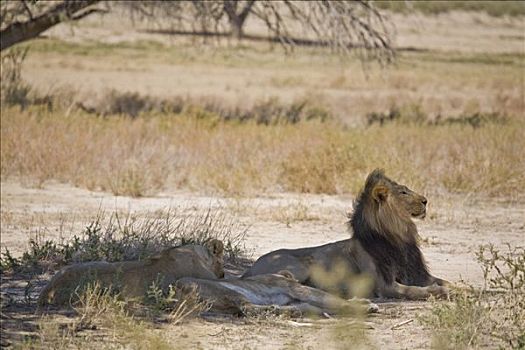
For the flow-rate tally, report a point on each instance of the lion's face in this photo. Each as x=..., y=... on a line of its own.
x=406, y=202
x=405, y=199
x=389, y=207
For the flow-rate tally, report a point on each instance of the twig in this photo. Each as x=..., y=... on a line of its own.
x=300, y=324
x=400, y=324
x=216, y=334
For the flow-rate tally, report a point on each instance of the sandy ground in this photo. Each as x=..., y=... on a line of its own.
x=455, y=227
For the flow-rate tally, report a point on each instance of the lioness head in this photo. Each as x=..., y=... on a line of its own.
x=388, y=207
x=216, y=249
x=200, y=258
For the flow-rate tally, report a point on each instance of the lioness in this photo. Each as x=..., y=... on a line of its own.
x=132, y=278
x=384, y=248
x=277, y=292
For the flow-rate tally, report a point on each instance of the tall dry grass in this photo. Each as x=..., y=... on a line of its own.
x=152, y=153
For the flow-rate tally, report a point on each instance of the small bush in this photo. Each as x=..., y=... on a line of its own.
x=40, y=253
x=491, y=316
x=475, y=120
x=266, y=111
x=13, y=89
x=410, y=113
x=129, y=237
x=413, y=114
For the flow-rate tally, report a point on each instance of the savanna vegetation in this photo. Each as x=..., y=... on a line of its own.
x=198, y=151
x=493, y=8
x=136, y=144
x=243, y=119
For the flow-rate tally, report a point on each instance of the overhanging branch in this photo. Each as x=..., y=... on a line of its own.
x=21, y=31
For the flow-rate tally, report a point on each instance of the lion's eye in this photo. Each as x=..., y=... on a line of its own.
x=404, y=192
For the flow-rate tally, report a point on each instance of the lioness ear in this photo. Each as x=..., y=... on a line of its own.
x=216, y=247
x=379, y=193
x=160, y=255
x=154, y=258
x=287, y=274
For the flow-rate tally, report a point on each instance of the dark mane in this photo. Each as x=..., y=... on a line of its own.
x=395, y=259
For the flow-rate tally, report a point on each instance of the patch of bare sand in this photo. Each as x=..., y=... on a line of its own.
x=460, y=31
x=451, y=235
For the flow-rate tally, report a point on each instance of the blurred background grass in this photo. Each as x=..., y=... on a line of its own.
x=118, y=108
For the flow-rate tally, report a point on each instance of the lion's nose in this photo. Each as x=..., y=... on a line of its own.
x=424, y=201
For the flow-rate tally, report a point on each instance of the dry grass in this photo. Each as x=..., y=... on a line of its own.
x=493, y=8
x=151, y=153
x=446, y=83
x=98, y=309
x=490, y=317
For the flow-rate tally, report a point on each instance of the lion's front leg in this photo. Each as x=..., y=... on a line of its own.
x=402, y=291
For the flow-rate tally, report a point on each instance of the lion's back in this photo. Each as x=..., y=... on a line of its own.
x=65, y=282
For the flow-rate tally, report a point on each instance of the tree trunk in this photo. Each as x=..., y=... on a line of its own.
x=237, y=19
x=236, y=27
x=21, y=31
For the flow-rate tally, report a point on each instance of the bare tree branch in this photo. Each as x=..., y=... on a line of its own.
x=15, y=31
x=342, y=26
x=88, y=12
x=28, y=10
x=237, y=19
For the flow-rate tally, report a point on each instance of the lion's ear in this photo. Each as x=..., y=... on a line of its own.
x=379, y=193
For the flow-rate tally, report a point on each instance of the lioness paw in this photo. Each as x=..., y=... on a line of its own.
x=438, y=291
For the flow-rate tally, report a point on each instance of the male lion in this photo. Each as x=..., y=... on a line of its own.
x=132, y=278
x=274, y=292
x=383, y=249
